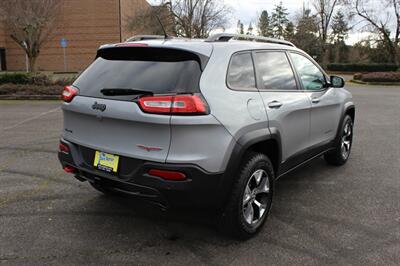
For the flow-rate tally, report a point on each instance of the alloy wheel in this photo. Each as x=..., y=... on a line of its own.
x=256, y=197
x=346, y=140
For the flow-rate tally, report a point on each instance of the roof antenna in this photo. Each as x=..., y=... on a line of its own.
x=162, y=27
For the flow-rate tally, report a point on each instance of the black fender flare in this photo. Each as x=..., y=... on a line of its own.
x=238, y=152
x=344, y=112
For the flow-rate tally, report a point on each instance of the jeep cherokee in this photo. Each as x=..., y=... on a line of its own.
x=209, y=123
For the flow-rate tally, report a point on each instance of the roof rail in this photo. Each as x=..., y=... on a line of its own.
x=145, y=37
x=225, y=37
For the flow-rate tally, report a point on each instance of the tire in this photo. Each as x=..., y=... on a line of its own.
x=342, y=149
x=251, y=197
x=104, y=190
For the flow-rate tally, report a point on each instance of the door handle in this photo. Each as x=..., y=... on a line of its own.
x=275, y=104
x=315, y=100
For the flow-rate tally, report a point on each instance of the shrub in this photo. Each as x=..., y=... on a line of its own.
x=28, y=89
x=64, y=81
x=362, y=67
x=41, y=80
x=357, y=76
x=381, y=77
x=15, y=78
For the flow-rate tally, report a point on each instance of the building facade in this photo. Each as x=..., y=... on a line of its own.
x=85, y=25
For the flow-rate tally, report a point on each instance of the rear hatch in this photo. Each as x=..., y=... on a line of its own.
x=105, y=114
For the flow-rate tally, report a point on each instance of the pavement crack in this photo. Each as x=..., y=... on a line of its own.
x=31, y=119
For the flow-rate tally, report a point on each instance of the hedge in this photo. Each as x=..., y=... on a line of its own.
x=362, y=67
x=32, y=79
x=15, y=78
x=28, y=89
x=380, y=77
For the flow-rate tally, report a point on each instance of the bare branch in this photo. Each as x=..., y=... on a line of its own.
x=382, y=26
x=197, y=18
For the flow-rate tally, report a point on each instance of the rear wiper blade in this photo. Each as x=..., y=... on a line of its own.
x=122, y=92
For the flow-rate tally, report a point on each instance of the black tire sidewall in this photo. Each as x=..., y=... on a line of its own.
x=253, y=162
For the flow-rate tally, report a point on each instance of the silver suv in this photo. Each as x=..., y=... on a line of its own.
x=210, y=123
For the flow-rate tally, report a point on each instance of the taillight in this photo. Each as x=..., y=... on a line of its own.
x=63, y=148
x=167, y=175
x=178, y=104
x=69, y=93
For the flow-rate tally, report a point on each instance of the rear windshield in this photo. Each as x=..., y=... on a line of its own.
x=156, y=70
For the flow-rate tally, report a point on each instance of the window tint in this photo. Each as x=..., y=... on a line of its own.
x=275, y=71
x=241, y=72
x=141, y=70
x=310, y=75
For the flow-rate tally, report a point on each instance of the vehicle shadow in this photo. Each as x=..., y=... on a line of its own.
x=188, y=224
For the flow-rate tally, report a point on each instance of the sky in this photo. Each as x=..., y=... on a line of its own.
x=248, y=11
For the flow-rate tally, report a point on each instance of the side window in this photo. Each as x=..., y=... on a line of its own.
x=241, y=72
x=311, y=77
x=275, y=71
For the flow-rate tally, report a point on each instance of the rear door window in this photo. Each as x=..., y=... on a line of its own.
x=155, y=70
x=275, y=71
x=241, y=72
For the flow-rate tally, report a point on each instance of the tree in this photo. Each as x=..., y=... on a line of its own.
x=340, y=28
x=306, y=33
x=381, y=24
x=339, y=50
x=289, y=31
x=240, y=27
x=197, y=18
x=325, y=10
x=250, y=29
x=279, y=21
x=264, y=25
x=145, y=21
x=373, y=51
x=30, y=23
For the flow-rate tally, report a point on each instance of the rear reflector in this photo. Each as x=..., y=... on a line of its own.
x=63, y=148
x=167, y=175
x=69, y=169
x=69, y=93
x=178, y=104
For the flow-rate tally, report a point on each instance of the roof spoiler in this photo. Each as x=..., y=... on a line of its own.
x=145, y=37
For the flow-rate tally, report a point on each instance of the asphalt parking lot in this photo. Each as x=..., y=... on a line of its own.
x=321, y=214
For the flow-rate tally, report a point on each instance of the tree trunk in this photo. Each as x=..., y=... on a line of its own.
x=32, y=63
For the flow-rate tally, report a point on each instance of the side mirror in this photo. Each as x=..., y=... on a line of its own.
x=337, y=82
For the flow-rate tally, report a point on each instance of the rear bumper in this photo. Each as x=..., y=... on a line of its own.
x=200, y=189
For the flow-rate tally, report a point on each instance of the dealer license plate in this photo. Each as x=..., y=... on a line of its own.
x=106, y=162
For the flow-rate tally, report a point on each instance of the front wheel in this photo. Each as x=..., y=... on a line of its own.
x=251, y=197
x=341, y=152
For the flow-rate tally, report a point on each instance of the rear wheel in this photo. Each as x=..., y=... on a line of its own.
x=341, y=152
x=251, y=197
